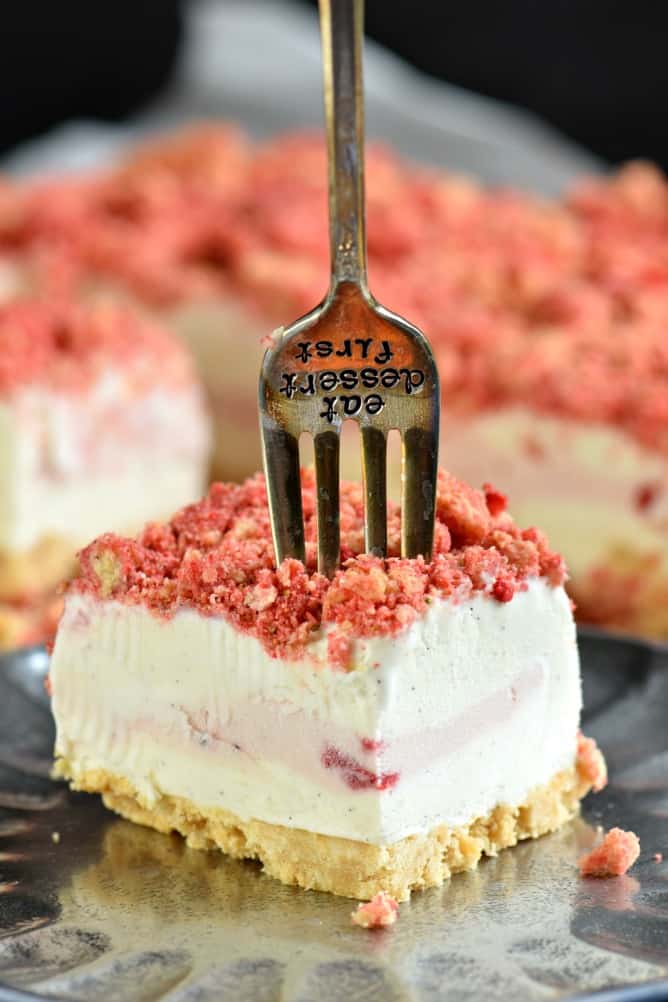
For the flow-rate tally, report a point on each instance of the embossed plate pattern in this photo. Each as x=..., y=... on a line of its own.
x=108, y=911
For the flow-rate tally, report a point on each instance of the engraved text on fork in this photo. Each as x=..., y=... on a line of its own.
x=375, y=374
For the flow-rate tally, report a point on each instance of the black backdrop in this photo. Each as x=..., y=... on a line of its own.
x=61, y=59
x=598, y=69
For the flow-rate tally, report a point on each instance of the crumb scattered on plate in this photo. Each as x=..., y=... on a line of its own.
x=591, y=764
x=614, y=856
x=382, y=910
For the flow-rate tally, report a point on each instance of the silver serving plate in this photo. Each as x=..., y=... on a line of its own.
x=104, y=910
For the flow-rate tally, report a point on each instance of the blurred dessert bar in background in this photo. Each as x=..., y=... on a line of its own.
x=548, y=320
x=102, y=423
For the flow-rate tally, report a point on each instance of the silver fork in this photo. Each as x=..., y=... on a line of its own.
x=350, y=358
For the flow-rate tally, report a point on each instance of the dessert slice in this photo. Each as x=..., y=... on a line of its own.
x=91, y=403
x=378, y=731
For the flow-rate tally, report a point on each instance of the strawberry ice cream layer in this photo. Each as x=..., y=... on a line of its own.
x=474, y=705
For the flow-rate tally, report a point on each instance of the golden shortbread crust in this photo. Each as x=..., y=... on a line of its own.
x=627, y=591
x=29, y=579
x=343, y=866
x=33, y=623
x=33, y=572
x=15, y=624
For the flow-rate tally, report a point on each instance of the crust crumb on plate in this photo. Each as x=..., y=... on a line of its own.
x=591, y=764
x=381, y=911
x=613, y=857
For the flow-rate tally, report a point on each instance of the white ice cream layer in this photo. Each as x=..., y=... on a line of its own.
x=474, y=705
x=579, y=481
x=75, y=465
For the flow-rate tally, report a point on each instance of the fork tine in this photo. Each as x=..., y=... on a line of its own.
x=419, y=475
x=374, y=463
x=281, y=464
x=326, y=446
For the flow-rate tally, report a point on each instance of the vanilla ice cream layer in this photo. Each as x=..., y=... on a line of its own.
x=582, y=483
x=76, y=465
x=225, y=340
x=474, y=705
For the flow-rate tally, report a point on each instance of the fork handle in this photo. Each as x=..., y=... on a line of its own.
x=342, y=30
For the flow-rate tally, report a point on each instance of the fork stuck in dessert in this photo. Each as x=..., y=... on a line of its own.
x=349, y=358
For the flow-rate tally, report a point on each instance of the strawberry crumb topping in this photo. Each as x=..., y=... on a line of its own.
x=205, y=156
x=64, y=346
x=613, y=857
x=495, y=500
x=590, y=764
x=381, y=911
x=559, y=307
x=217, y=556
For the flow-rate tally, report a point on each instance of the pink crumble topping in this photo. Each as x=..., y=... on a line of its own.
x=560, y=307
x=217, y=556
x=66, y=346
x=496, y=501
x=590, y=763
x=613, y=857
x=206, y=155
x=381, y=911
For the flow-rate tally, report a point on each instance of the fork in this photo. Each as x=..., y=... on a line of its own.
x=349, y=358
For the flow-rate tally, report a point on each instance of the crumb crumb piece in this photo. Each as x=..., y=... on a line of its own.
x=496, y=501
x=55, y=837
x=108, y=570
x=590, y=763
x=658, y=857
x=269, y=340
x=382, y=910
x=613, y=857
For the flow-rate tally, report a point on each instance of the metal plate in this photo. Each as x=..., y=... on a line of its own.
x=116, y=912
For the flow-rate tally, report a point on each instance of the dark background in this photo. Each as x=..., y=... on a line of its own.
x=63, y=59
x=597, y=69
